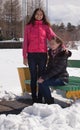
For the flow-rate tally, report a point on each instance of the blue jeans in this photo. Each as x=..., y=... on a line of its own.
x=44, y=88
x=37, y=65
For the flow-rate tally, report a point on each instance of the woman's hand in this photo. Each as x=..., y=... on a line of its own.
x=25, y=61
x=40, y=80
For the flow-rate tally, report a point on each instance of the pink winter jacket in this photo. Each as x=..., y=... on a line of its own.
x=35, y=38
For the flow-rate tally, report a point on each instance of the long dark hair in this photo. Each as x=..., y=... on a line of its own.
x=32, y=20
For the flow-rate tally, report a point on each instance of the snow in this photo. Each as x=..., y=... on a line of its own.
x=37, y=116
x=12, y=40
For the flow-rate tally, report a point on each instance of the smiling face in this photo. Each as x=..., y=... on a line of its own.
x=54, y=45
x=39, y=15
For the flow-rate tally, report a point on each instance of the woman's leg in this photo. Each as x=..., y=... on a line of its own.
x=33, y=72
x=42, y=60
x=45, y=90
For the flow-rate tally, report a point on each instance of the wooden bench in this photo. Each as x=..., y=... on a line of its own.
x=72, y=88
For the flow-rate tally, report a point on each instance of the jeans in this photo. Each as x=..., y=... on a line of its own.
x=44, y=87
x=37, y=65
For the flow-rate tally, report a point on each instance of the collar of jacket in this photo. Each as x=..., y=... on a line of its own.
x=38, y=22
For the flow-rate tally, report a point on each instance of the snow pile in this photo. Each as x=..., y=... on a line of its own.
x=43, y=117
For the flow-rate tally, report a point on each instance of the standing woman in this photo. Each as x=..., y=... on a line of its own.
x=36, y=33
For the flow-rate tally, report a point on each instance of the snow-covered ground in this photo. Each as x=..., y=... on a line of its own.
x=37, y=116
x=12, y=40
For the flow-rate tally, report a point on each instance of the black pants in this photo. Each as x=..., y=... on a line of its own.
x=37, y=64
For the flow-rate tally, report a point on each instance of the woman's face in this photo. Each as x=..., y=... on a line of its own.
x=39, y=15
x=54, y=45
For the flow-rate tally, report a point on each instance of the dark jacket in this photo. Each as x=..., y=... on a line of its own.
x=57, y=65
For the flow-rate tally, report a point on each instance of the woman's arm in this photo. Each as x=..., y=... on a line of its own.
x=50, y=33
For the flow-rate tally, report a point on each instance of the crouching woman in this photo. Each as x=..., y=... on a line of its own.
x=56, y=73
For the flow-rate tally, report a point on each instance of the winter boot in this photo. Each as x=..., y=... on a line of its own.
x=49, y=100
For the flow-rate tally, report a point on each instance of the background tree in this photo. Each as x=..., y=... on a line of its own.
x=12, y=15
x=1, y=20
x=78, y=33
x=1, y=13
